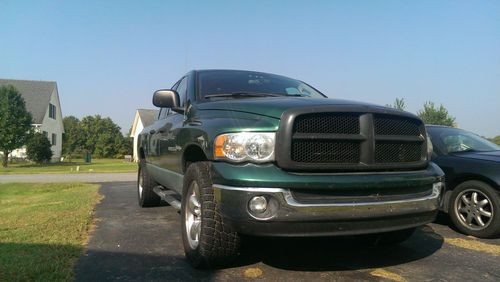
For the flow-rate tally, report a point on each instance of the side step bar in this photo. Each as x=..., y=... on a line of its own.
x=168, y=196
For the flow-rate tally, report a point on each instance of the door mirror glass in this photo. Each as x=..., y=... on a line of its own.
x=166, y=98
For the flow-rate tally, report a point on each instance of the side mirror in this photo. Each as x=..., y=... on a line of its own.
x=166, y=98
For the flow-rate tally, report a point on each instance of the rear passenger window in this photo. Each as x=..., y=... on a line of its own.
x=182, y=90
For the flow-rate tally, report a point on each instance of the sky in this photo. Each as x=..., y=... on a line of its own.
x=108, y=57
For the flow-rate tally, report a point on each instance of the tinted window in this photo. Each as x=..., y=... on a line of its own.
x=453, y=140
x=226, y=82
x=182, y=90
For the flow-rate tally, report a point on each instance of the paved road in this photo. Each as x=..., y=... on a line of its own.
x=61, y=177
x=135, y=244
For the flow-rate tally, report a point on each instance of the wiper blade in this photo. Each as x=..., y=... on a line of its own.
x=243, y=94
x=297, y=95
x=464, y=151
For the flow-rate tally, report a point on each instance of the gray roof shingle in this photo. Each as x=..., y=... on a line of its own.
x=36, y=95
x=147, y=116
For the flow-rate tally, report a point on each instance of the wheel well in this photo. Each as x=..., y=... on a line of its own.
x=460, y=179
x=192, y=154
x=467, y=177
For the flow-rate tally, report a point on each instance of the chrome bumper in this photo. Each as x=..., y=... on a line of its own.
x=362, y=217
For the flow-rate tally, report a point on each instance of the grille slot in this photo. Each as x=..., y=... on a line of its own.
x=353, y=195
x=327, y=123
x=397, y=152
x=388, y=125
x=325, y=151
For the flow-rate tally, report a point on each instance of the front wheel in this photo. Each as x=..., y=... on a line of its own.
x=475, y=209
x=145, y=184
x=208, y=241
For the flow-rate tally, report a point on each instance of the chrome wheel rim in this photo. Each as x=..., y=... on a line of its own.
x=192, y=215
x=139, y=186
x=474, y=209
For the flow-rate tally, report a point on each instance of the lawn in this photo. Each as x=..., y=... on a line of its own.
x=43, y=229
x=75, y=166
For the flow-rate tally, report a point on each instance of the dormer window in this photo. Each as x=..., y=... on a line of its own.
x=52, y=111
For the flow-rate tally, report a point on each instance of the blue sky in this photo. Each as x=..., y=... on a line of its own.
x=109, y=56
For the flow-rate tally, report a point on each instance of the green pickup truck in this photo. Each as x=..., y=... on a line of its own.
x=244, y=152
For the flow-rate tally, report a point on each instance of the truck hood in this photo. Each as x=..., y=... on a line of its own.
x=493, y=156
x=275, y=106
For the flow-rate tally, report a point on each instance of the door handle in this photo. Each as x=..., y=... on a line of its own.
x=152, y=131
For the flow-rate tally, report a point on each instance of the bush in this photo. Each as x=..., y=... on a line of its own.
x=38, y=148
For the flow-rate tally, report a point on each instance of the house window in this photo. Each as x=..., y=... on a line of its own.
x=52, y=111
x=46, y=134
x=54, y=138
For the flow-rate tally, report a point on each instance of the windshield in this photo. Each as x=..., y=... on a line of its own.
x=241, y=82
x=454, y=140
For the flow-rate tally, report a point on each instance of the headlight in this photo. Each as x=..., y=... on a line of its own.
x=429, y=148
x=245, y=146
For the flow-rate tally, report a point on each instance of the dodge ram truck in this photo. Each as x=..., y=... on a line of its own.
x=252, y=153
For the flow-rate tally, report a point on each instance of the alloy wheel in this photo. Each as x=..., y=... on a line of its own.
x=140, y=185
x=192, y=215
x=474, y=209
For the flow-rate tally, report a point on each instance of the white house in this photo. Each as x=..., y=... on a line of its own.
x=142, y=118
x=42, y=101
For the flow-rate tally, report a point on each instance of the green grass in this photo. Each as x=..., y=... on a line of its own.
x=97, y=165
x=43, y=229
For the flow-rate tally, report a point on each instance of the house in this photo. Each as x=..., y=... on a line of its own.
x=142, y=119
x=42, y=101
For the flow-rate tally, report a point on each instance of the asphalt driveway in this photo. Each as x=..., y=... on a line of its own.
x=134, y=244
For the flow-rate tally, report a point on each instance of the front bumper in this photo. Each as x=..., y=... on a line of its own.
x=286, y=216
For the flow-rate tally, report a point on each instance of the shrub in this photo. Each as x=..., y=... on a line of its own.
x=38, y=148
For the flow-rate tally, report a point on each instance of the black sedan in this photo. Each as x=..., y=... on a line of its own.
x=472, y=167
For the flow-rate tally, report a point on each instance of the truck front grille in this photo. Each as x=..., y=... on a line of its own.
x=390, y=125
x=317, y=151
x=327, y=123
x=397, y=152
x=350, y=140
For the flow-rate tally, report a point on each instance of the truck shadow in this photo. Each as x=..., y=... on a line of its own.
x=338, y=253
x=54, y=262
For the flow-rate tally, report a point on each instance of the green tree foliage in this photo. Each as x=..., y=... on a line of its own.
x=99, y=136
x=72, y=137
x=399, y=104
x=38, y=148
x=430, y=114
x=496, y=140
x=15, y=121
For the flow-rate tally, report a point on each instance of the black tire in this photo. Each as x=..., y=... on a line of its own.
x=217, y=245
x=459, y=210
x=146, y=196
x=393, y=237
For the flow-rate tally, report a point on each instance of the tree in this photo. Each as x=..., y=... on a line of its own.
x=15, y=121
x=101, y=136
x=72, y=137
x=38, y=148
x=496, y=140
x=399, y=104
x=430, y=114
x=96, y=135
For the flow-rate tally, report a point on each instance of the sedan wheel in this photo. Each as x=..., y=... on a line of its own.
x=474, y=209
